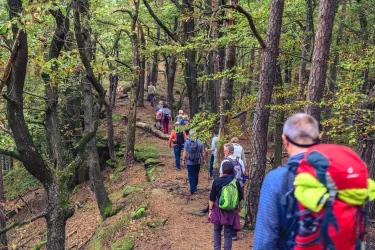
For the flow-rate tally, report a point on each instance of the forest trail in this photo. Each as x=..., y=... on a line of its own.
x=166, y=197
x=169, y=196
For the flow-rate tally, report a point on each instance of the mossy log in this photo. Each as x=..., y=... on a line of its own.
x=150, y=129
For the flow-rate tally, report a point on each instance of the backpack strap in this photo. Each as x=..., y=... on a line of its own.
x=288, y=205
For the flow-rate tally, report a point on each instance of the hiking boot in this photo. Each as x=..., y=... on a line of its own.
x=205, y=210
x=235, y=238
x=178, y=169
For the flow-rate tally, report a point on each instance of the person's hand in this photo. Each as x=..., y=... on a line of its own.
x=204, y=161
x=209, y=213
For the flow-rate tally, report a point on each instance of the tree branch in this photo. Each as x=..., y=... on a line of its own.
x=249, y=19
x=19, y=224
x=159, y=22
x=12, y=154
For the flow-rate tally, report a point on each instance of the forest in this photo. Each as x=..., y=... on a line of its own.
x=83, y=163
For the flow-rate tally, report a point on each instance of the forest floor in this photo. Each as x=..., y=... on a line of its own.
x=166, y=224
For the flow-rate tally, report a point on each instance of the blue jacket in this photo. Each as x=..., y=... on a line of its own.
x=270, y=221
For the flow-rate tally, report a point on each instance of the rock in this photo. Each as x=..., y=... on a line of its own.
x=127, y=190
x=122, y=245
x=153, y=162
x=156, y=223
x=159, y=192
x=139, y=213
x=195, y=210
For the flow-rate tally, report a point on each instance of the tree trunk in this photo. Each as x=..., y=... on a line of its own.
x=171, y=67
x=332, y=85
x=327, y=11
x=190, y=72
x=302, y=74
x=262, y=113
x=3, y=236
x=226, y=96
x=91, y=152
x=155, y=64
x=58, y=213
x=110, y=131
x=130, y=142
x=279, y=117
x=141, y=95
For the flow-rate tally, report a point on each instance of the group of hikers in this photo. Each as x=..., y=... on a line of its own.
x=315, y=201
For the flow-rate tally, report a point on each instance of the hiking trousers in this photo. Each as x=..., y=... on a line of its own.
x=193, y=174
x=227, y=237
x=165, y=126
x=212, y=164
x=177, y=155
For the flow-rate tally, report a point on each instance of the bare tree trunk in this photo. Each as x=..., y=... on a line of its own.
x=141, y=95
x=327, y=11
x=3, y=236
x=302, y=74
x=130, y=142
x=332, y=85
x=170, y=67
x=155, y=66
x=279, y=117
x=226, y=95
x=262, y=112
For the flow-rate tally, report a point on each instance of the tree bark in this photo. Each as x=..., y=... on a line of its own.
x=130, y=142
x=327, y=11
x=3, y=236
x=332, y=85
x=171, y=66
x=190, y=72
x=226, y=96
x=262, y=112
x=141, y=95
x=149, y=128
x=302, y=74
x=279, y=116
x=155, y=64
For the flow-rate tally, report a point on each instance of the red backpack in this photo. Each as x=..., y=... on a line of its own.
x=331, y=187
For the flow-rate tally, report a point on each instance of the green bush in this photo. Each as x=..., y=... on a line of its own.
x=18, y=182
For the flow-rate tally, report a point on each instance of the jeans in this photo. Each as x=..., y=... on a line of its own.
x=193, y=174
x=152, y=98
x=159, y=124
x=177, y=155
x=212, y=164
x=227, y=237
x=165, y=126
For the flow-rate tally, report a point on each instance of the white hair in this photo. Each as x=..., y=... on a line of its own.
x=301, y=126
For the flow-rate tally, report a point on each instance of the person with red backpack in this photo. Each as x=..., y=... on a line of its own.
x=276, y=224
x=177, y=139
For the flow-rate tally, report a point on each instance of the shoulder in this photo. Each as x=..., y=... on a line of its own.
x=275, y=178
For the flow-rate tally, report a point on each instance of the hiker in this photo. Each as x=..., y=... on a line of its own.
x=193, y=156
x=159, y=115
x=166, y=117
x=179, y=117
x=300, y=132
x=238, y=150
x=151, y=94
x=224, y=205
x=185, y=121
x=239, y=167
x=177, y=140
x=215, y=139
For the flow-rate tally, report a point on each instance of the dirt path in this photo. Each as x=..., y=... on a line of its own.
x=169, y=195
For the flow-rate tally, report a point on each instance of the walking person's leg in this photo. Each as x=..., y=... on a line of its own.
x=191, y=177
x=228, y=231
x=196, y=175
x=152, y=97
x=217, y=236
x=177, y=155
x=212, y=164
x=165, y=126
